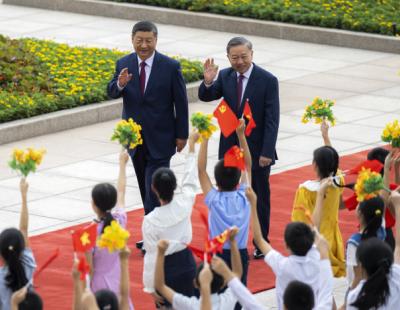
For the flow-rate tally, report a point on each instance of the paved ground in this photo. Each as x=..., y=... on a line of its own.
x=365, y=85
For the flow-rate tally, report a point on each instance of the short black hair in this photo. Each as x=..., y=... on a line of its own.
x=326, y=158
x=227, y=178
x=145, y=26
x=236, y=41
x=298, y=296
x=106, y=300
x=299, y=238
x=164, y=182
x=32, y=301
x=379, y=154
x=217, y=282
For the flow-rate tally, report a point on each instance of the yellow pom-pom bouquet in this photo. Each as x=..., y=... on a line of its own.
x=368, y=184
x=319, y=110
x=202, y=122
x=26, y=161
x=114, y=237
x=391, y=133
x=128, y=133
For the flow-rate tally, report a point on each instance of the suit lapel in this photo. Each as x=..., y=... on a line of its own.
x=155, y=71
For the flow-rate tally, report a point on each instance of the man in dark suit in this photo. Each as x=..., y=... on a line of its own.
x=154, y=96
x=246, y=81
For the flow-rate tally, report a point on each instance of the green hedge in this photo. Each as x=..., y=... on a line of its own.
x=375, y=16
x=39, y=76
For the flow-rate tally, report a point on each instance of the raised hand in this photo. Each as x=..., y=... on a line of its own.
x=163, y=246
x=240, y=128
x=124, y=77
x=123, y=157
x=210, y=70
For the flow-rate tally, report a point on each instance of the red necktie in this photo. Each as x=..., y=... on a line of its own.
x=142, y=77
x=239, y=91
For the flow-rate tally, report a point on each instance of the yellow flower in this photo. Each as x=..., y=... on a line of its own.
x=17, y=154
x=113, y=238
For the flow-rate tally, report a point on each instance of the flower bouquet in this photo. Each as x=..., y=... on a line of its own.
x=113, y=238
x=128, y=133
x=202, y=122
x=368, y=184
x=26, y=161
x=319, y=110
x=391, y=133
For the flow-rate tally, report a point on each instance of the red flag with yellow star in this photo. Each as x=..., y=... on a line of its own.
x=234, y=157
x=84, y=239
x=227, y=119
x=247, y=114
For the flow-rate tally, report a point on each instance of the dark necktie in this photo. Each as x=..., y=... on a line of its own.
x=142, y=77
x=239, y=91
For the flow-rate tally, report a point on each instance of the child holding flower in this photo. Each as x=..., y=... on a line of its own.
x=325, y=164
x=105, y=266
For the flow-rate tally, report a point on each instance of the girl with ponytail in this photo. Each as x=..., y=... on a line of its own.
x=380, y=287
x=105, y=266
x=325, y=164
x=370, y=218
x=18, y=260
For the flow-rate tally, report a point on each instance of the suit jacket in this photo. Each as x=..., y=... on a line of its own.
x=163, y=109
x=263, y=94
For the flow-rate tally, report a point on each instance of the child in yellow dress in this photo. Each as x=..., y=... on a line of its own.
x=325, y=163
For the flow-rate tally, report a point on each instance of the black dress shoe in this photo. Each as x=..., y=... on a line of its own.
x=258, y=254
x=139, y=244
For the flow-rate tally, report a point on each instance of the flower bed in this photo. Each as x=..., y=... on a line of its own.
x=38, y=77
x=374, y=16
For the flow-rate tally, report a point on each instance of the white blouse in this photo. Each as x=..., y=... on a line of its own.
x=170, y=222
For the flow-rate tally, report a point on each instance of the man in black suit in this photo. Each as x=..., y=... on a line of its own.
x=154, y=95
x=243, y=81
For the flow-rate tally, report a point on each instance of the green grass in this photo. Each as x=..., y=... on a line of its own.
x=38, y=76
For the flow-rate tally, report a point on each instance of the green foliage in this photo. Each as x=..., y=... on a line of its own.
x=375, y=16
x=38, y=76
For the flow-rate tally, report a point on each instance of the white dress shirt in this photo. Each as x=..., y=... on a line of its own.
x=245, y=79
x=147, y=69
x=171, y=222
x=243, y=295
x=309, y=269
x=223, y=301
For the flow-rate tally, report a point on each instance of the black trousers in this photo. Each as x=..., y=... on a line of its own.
x=145, y=166
x=260, y=185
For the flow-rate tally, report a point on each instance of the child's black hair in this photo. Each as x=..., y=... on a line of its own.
x=327, y=160
x=298, y=296
x=379, y=154
x=106, y=300
x=216, y=283
x=104, y=196
x=376, y=258
x=299, y=238
x=164, y=182
x=227, y=178
x=12, y=244
x=32, y=301
x=372, y=212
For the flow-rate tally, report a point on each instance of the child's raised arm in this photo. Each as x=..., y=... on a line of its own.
x=204, y=179
x=325, y=133
x=260, y=242
x=78, y=287
x=24, y=217
x=397, y=169
x=205, y=278
x=159, y=277
x=237, y=267
x=121, y=186
x=247, y=156
x=124, y=283
x=395, y=200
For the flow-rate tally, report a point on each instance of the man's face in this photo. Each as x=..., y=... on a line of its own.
x=144, y=43
x=240, y=58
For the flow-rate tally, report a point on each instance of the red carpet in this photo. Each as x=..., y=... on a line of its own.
x=55, y=284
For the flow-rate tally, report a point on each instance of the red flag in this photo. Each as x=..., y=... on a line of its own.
x=47, y=263
x=247, y=114
x=212, y=246
x=227, y=119
x=374, y=165
x=234, y=157
x=84, y=239
x=83, y=267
